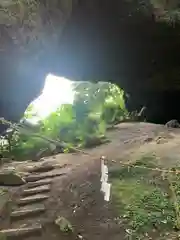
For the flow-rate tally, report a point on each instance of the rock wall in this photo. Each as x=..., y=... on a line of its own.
x=27, y=29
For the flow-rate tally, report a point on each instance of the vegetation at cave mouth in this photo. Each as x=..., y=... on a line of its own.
x=81, y=124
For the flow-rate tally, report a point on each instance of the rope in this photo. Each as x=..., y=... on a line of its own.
x=22, y=129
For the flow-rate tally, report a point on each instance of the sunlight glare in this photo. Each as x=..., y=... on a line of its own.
x=57, y=91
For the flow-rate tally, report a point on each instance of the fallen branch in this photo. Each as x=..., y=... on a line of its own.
x=23, y=130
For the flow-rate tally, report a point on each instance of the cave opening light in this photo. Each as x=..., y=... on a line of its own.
x=57, y=91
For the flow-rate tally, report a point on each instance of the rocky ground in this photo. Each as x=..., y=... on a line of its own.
x=59, y=197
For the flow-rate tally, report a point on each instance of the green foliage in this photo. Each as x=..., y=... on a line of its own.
x=79, y=124
x=144, y=200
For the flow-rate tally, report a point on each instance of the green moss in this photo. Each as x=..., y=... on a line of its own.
x=2, y=236
x=142, y=200
x=144, y=207
x=64, y=225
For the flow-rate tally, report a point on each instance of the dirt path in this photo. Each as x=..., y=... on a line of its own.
x=72, y=189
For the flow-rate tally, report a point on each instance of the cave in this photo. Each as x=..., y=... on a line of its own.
x=113, y=41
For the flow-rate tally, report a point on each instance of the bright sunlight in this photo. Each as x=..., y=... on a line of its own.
x=57, y=91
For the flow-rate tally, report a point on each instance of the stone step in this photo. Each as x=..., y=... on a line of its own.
x=36, y=190
x=33, y=178
x=40, y=169
x=27, y=212
x=32, y=199
x=4, y=198
x=20, y=232
x=39, y=183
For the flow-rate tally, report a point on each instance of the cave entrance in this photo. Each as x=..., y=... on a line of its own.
x=57, y=91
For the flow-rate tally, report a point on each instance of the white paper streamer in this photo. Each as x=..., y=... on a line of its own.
x=105, y=186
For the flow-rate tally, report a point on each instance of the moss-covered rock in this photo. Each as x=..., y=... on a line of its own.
x=11, y=179
x=64, y=225
x=32, y=21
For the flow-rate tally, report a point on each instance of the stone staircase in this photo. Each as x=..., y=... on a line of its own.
x=27, y=210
